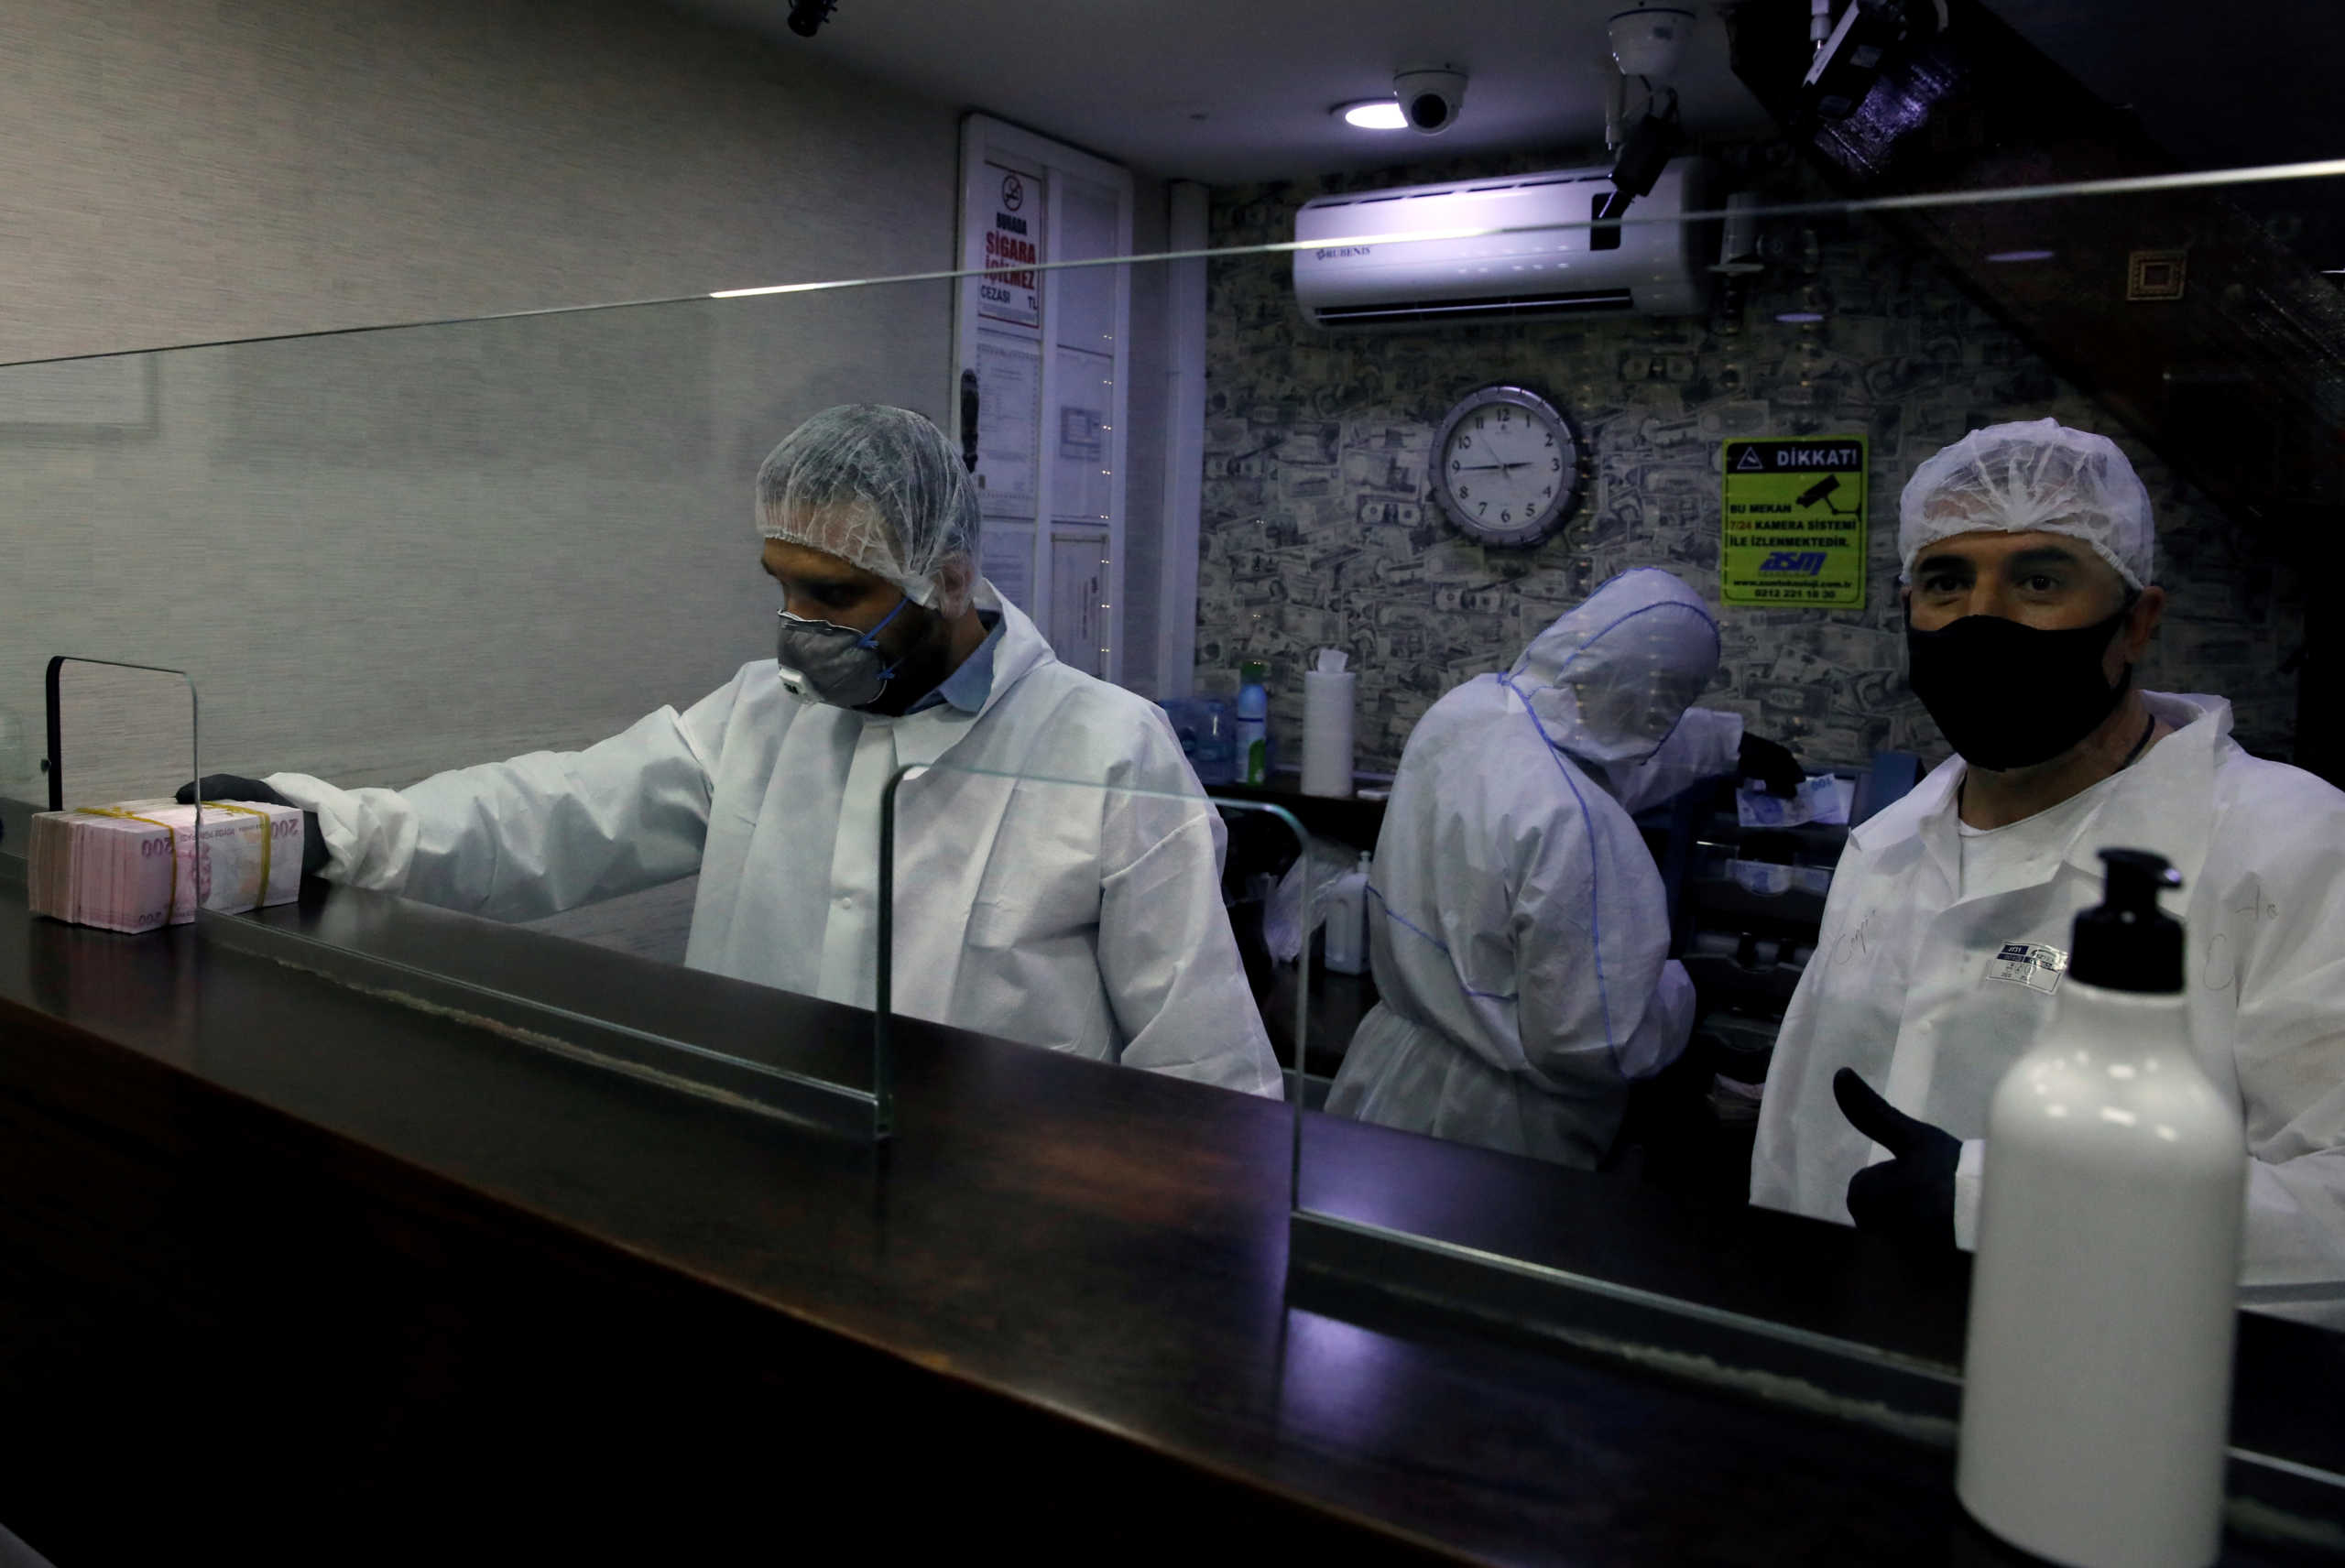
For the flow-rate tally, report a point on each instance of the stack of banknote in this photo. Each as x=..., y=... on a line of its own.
x=1823, y=798
x=145, y=864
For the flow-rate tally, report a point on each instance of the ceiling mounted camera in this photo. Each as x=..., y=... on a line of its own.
x=1431, y=99
x=1650, y=42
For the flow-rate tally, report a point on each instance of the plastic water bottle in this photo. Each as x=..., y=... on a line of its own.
x=1253, y=724
x=2096, y=1402
x=1346, y=947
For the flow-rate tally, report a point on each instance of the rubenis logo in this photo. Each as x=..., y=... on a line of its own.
x=1796, y=563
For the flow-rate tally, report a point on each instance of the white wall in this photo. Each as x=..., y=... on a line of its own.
x=386, y=554
x=174, y=171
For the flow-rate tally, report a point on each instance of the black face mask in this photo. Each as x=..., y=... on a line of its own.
x=2009, y=695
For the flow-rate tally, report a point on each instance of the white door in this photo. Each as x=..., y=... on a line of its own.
x=1046, y=354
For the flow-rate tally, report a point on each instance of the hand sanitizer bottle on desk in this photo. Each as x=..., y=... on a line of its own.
x=1253, y=724
x=2096, y=1400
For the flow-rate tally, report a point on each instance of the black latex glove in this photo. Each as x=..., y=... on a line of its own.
x=230, y=787
x=1909, y=1197
x=1772, y=764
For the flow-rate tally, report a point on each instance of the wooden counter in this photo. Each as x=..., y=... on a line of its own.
x=290, y=1272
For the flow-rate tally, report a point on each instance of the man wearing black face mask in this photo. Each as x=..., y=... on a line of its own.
x=2029, y=603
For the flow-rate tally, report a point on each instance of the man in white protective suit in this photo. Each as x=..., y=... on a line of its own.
x=2030, y=598
x=1082, y=920
x=1517, y=926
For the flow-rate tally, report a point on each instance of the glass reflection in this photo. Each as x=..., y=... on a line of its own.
x=1091, y=919
x=1634, y=747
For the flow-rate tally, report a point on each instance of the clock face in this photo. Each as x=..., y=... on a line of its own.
x=1507, y=466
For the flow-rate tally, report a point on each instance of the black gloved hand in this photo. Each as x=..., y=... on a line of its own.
x=1772, y=764
x=230, y=787
x=1909, y=1197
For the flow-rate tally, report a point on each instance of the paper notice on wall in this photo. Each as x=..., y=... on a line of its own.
x=1005, y=556
x=1079, y=622
x=1083, y=450
x=1013, y=240
x=1009, y=419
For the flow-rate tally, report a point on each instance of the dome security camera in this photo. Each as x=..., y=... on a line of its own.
x=1649, y=41
x=1430, y=99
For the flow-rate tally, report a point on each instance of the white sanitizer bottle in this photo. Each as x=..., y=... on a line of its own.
x=2095, y=1401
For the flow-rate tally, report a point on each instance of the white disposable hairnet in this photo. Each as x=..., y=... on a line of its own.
x=882, y=489
x=2037, y=475
x=1611, y=678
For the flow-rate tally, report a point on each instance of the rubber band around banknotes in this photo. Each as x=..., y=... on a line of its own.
x=267, y=832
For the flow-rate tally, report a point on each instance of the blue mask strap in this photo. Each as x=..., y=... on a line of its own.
x=870, y=638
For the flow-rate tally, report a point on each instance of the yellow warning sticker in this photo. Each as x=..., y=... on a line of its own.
x=1794, y=524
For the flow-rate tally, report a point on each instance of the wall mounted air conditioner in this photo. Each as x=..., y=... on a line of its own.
x=1358, y=277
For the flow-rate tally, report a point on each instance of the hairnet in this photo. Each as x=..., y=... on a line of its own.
x=1611, y=678
x=2037, y=475
x=882, y=489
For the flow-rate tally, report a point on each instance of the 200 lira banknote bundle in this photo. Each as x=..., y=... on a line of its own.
x=143, y=864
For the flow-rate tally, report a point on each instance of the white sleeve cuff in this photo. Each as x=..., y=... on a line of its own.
x=1969, y=1173
x=370, y=833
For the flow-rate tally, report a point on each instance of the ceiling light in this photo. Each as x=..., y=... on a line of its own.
x=2020, y=255
x=1800, y=318
x=1374, y=115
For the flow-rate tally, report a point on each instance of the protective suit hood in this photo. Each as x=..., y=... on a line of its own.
x=1613, y=676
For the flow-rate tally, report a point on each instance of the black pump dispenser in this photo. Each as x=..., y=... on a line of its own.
x=2126, y=943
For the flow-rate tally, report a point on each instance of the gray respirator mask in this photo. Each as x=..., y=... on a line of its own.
x=824, y=663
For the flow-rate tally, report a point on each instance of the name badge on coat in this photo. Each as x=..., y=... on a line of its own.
x=2030, y=963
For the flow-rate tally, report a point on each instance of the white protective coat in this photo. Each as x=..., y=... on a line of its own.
x=1899, y=989
x=1077, y=918
x=1517, y=923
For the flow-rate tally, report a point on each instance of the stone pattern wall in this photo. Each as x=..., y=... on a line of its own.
x=1318, y=527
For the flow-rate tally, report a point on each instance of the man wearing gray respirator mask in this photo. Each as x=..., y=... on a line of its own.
x=1082, y=917
x=2029, y=600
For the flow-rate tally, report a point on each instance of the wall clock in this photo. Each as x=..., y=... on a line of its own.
x=1508, y=466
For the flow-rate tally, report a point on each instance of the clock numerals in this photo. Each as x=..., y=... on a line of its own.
x=1464, y=491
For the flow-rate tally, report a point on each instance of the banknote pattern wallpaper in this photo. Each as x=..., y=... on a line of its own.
x=1318, y=529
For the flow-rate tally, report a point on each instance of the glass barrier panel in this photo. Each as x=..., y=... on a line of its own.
x=482, y=596
x=1119, y=924
x=1577, y=1076
x=450, y=545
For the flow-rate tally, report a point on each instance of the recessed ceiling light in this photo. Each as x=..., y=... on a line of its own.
x=2020, y=255
x=1374, y=115
x=1800, y=318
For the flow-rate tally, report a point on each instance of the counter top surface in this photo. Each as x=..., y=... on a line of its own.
x=1107, y=1247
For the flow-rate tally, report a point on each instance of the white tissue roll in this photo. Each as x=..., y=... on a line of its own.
x=1328, y=731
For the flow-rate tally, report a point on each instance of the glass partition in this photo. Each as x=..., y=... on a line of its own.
x=1574, y=1072
x=524, y=547
x=1104, y=920
x=388, y=555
